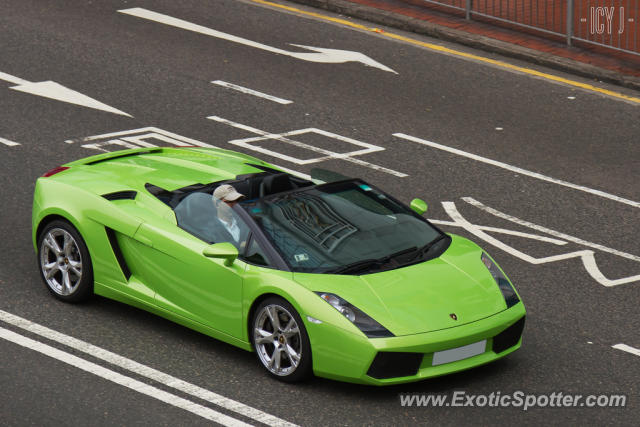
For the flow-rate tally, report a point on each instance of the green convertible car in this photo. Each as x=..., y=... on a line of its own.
x=335, y=278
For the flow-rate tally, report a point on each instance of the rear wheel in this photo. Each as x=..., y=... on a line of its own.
x=281, y=341
x=65, y=264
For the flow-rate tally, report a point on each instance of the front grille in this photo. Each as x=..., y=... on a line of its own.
x=509, y=337
x=388, y=364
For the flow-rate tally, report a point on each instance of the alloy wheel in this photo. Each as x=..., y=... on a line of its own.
x=277, y=339
x=61, y=261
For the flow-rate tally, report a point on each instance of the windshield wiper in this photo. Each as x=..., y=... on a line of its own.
x=371, y=262
x=426, y=248
x=356, y=266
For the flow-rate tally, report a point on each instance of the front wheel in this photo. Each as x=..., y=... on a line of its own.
x=64, y=261
x=281, y=341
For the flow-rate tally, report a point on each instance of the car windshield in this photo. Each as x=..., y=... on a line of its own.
x=346, y=227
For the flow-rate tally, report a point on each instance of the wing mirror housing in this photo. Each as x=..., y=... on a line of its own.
x=419, y=206
x=225, y=251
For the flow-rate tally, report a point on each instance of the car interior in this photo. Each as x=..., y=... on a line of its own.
x=195, y=211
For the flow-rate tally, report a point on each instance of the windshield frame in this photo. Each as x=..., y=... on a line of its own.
x=273, y=253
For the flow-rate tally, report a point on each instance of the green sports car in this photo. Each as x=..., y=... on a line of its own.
x=335, y=278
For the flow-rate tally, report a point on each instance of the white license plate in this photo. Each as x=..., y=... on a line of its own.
x=459, y=353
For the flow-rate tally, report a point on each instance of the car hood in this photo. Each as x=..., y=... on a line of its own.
x=451, y=290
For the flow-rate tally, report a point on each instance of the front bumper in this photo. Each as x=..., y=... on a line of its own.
x=342, y=355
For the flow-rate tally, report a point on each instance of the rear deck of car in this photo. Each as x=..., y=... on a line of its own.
x=167, y=168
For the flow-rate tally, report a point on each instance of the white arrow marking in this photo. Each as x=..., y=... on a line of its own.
x=332, y=56
x=53, y=90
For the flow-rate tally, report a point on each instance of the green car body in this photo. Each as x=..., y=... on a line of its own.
x=141, y=257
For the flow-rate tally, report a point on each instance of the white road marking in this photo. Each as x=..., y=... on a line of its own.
x=251, y=92
x=138, y=141
x=327, y=154
x=143, y=370
x=505, y=231
x=100, y=145
x=333, y=56
x=9, y=143
x=53, y=90
x=627, y=348
x=13, y=79
x=587, y=256
x=518, y=170
x=293, y=172
x=495, y=212
x=136, y=131
x=136, y=138
x=123, y=380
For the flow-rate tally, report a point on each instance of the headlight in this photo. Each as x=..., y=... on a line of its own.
x=509, y=294
x=366, y=324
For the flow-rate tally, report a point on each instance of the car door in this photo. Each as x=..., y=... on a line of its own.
x=188, y=283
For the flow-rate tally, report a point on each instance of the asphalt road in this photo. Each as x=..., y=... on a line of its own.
x=583, y=145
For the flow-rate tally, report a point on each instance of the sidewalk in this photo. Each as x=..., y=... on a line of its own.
x=413, y=15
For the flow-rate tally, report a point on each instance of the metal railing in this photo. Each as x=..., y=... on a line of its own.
x=613, y=24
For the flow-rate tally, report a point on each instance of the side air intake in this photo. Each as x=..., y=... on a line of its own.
x=111, y=234
x=121, y=195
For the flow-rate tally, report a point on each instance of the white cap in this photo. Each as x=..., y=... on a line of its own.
x=226, y=193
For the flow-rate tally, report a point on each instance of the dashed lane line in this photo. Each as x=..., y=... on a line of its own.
x=248, y=91
x=518, y=169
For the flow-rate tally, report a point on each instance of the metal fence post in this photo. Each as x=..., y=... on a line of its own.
x=569, y=21
x=467, y=9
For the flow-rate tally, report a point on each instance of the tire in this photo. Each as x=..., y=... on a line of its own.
x=64, y=262
x=283, y=349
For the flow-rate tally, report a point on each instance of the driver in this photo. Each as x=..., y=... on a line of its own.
x=224, y=198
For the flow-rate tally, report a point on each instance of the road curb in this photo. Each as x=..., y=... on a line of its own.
x=419, y=26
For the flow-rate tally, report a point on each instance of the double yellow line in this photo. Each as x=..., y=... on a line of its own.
x=457, y=53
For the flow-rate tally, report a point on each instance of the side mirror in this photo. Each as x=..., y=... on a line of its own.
x=419, y=206
x=225, y=251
